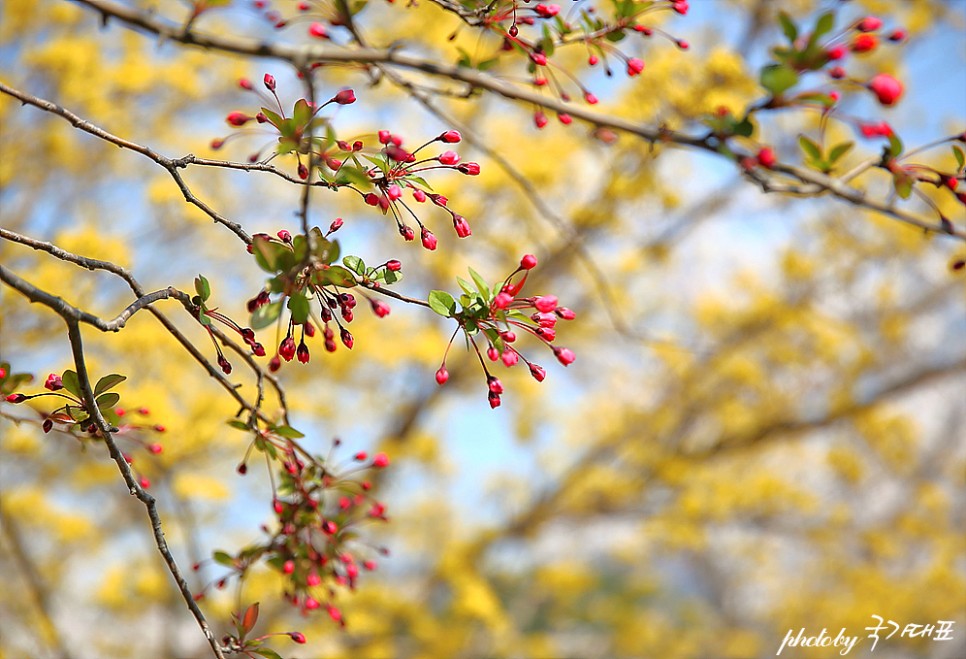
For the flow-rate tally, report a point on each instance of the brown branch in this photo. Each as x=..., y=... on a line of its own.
x=170, y=165
x=150, y=505
x=35, y=584
x=95, y=264
x=300, y=56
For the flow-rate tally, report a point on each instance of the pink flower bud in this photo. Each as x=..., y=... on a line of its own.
x=428, y=239
x=462, y=226
x=528, y=262
x=318, y=30
x=393, y=265
x=269, y=81
x=442, y=375
x=380, y=461
x=449, y=158
x=564, y=355
x=634, y=66
x=869, y=24
x=450, y=137
x=546, y=303
x=237, y=118
x=886, y=88
x=766, y=157
x=345, y=97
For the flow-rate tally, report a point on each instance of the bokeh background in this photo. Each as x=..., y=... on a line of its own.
x=763, y=430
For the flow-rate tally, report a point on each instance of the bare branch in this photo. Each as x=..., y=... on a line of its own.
x=299, y=56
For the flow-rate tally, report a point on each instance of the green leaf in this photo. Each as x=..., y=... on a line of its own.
x=420, y=181
x=301, y=113
x=380, y=163
x=480, y=283
x=838, y=151
x=107, y=400
x=744, y=128
x=238, y=425
x=390, y=277
x=268, y=653
x=903, y=184
x=107, y=383
x=442, y=303
x=349, y=175
x=222, y=558
x=266, y=253
x=777, y=78
x=266, y=315
x=334, y=275
x=788, y=26
x=614, y=37
x=300, y=248
x=960, y=159
x=288, y=432
x=465, y=285
x=326, y=251
x=823, y=26
x=895, y=145
x=810, y=148
x=272, y=117
x=203, y=288
x=299, y=306
x=71, y=383
x=355, y=264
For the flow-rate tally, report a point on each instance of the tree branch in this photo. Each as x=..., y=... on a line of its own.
x=300, y=56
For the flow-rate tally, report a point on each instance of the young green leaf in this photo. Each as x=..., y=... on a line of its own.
x=299, y=306
x=480, y=283
x=71, y=383
x=812, y=150
x=838, y=151
x=778, y=78
x=202, y=287
x=442, y=303
x=108, y=382
x=265, y=315
x=108, y=400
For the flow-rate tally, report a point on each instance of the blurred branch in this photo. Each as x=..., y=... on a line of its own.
x=35, y=584
x=543, y=507
x=807, y=182
x=73, y=317
x=170, y=165
x=96, y=264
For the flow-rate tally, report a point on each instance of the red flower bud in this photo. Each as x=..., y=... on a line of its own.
x=469, y=168
x=287, y=348
x=393, y=265
x=868, y=24
x=462, y=226
x=450, y=137
x=528, y=262
x=54, y=383
x=345, y=97
x=886, y=88
x=318, y=30
x=298, y=637
x=237, y=118
x=269, y=81
x=564, y=355
x=766, y=157
x=303, y=353
x=442, y=375
x=494, y=400
x=864, y=43
x=449, y=158
x=428, y=239
x=634, y=66
x=381, y=460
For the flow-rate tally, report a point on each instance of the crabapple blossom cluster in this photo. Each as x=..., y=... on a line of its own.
x=303, y=271
x=319, y=509
x=379, y=174
x=497, y=314
x=73, y=417
x=826, y=50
